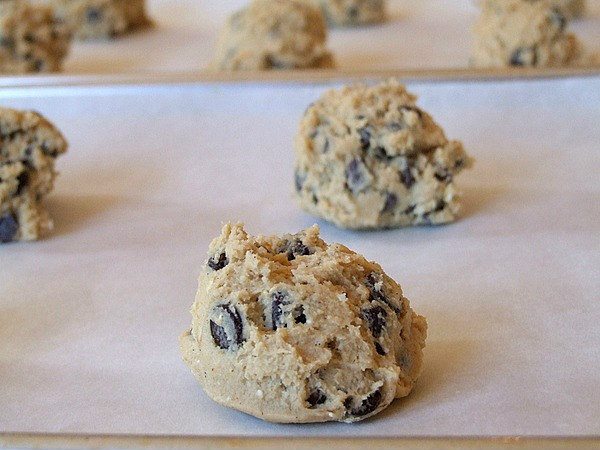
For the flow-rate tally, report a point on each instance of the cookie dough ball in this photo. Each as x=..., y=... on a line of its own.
x=291, y=329
x=523, y=33
x=367, y=157
x=31, y=40
x=274, y=34
x=353, y=12
x=570, y=8
x=101, y=19
x=29, y=145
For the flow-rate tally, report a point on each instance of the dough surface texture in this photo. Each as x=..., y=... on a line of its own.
x=274, y=34
x=291, y=329
x=523, y=34
x=368, y=157
x=29, y=145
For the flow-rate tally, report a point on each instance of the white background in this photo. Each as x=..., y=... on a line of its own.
x=421, y=34
x=89, y=318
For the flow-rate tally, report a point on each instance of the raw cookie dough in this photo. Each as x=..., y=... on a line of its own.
x=523, y=33
x=570, y=8
x=274, y=34
x=31, y=40
x=290, y=329
x=102, y=19
x=29, y=144
x=353, y=12
x=367, y=157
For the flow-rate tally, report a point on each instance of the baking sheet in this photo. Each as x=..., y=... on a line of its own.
x=420, y=35
x=89, y=318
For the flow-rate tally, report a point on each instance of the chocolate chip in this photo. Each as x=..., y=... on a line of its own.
x=23, y=182
x=357, y=176
x=278, y=300
x=367, y=406
x=230, y=333
x=406, y=177
x=410, y=209
x=375, y=318
x=271, y=62
x=295, y=249
x=316, y=397
x=218, y=264
x=219, y=335
x=298, y=314
x=444, y=176
x=395, y=126
x=380, y=349
x=380, y=154
x=378, y=296
x=28, y=37
x=558, y=18
x=48, y=150
x=365, y=138
x=93, y=15
x=7, y=42
x=326, y=146
x=441, y=204
x=38, y=65
x=391, y=200
x=352, y=12
x=524, y=56
x=299, y=180
x=8, y=227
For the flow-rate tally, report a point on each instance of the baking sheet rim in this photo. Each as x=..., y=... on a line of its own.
x=44, y=440
x=308, y=76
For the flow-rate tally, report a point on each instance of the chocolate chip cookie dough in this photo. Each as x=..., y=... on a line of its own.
x=102, y=19
x=291, y=329
x=368, y=157
x=353, y=12
x=570, y=8
x=523, y=33
x=274, y=34
x=29, y=144
x=31, y=40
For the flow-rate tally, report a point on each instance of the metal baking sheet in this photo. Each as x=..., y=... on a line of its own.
x=89, y=318
x=422, y=39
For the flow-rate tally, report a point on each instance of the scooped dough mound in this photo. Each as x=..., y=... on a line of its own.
x=291, y=329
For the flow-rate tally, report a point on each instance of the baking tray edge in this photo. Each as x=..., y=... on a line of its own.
x=304, y=77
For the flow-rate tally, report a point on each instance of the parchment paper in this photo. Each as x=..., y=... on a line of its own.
x=89, y=318
x=421, y=34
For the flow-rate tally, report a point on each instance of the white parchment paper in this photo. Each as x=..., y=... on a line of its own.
x=89, y=318
x=421, y=34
